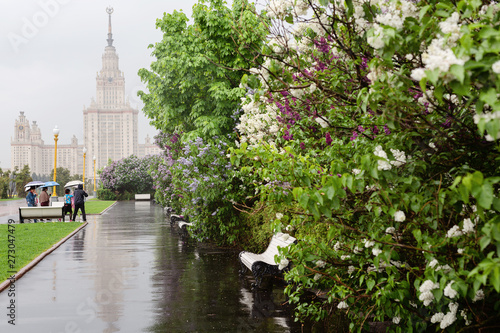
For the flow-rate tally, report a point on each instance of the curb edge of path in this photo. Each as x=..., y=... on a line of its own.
x=35, y=261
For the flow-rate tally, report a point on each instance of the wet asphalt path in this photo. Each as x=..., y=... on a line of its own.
x=129, y=271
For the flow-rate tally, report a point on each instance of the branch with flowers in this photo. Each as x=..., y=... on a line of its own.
x=382, y=119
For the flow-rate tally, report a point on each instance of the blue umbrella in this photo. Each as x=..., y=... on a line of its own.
x=50, y=184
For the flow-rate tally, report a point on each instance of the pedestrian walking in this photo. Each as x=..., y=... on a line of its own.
x=67, y=204
x=80, y=195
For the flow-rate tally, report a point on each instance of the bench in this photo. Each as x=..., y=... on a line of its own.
x=176, y=218
x=57, y=204
x=46, y=212
x=143, y=196
x=263, y=264
x=183, y=227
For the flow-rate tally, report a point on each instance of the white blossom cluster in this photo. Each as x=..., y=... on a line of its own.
x=478, y=296
x=435, y=265
x=427, y=98
x=368, y=243
x=258, y=123
x=392, y=14
x=283, y=264
x=487, y=117
x=449, y=291
x=468, y=227
x=439, y=54
x=384, y=264
x=320, y=263
x=494, y=7
x=451, y=27
x=426, y=294
x=399, y=216
x=400, y=158
x=280, y=8
x=446, y=320
x=342, y=305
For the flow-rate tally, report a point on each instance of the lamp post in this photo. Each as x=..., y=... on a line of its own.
x=56, y=134
x=94, y=173
x=84, y=155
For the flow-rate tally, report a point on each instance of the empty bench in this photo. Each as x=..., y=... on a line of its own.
x=143, y=196
x=183, y=227
x=47, y=212
x=263, y=264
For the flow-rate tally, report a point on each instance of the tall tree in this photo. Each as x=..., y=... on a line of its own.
x=21, y=178
x=194, y=83
x=4, y=183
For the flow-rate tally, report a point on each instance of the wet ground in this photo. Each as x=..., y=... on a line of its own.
x=10, y=210
x=129, y=271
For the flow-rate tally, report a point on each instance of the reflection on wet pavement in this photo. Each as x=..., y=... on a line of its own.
x=128, y=271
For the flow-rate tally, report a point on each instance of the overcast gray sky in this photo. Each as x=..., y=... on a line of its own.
x=50, y=51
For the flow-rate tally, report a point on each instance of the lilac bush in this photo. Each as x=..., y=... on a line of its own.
x=196, y=179
x=130, y=174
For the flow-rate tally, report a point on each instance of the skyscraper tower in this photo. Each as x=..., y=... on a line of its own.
x=110, y=123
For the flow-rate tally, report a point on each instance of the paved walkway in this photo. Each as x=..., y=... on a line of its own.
x=10, y=210
x=128, y=271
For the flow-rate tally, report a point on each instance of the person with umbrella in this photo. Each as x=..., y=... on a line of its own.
x=44, y=197
x=80, y=195
x=67, y=204
x=31, y=198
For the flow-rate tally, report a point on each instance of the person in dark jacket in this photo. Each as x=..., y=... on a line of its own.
x=79, y=196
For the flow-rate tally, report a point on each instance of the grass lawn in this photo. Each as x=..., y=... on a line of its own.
x=28, y=241
x=10, y=199
x=95, y=206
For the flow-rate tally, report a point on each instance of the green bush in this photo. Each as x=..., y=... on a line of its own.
x=106, y=194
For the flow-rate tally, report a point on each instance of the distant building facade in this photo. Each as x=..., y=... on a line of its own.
x=109, y=126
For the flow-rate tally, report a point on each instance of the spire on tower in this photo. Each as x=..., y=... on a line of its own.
x=109, y=10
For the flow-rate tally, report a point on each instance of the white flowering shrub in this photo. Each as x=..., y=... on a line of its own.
x=382, y=119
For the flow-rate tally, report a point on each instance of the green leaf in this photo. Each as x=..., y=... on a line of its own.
x=495, y=278
x=489, y=96
x=304, y=200
x=370, y=284
x=330, y=192
x=485, y=198
x=458, y=71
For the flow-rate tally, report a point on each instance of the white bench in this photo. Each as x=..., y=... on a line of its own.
x=183, y=225
x=143, y=196
x=174, y=218
x=46, y=212
x=57, y=204
x=263, y=264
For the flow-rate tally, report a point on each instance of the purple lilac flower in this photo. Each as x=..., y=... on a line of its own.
x=387, y=130
x=328, y=138
x=354, y=135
